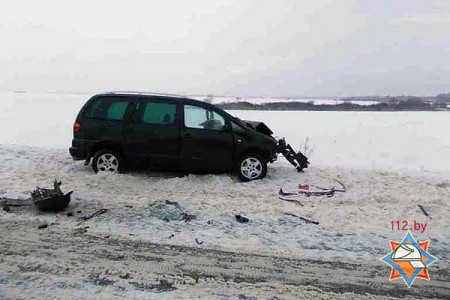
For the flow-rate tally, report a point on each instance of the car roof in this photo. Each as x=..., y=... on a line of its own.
x=133, y=93
x=151, y=94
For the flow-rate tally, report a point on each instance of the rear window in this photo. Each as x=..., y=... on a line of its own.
x=108, y=108
x=159, y=113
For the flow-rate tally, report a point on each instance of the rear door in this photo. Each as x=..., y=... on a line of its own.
x=152, y=133
x=206, y=139
x=103, y=118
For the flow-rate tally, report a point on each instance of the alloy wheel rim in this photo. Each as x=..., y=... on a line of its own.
x=107, y=163
x=251, y=168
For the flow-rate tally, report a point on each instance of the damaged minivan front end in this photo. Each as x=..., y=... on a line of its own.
x=280, y=146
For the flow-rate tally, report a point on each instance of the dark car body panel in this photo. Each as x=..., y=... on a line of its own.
x=152, y=144
x=205, y=149
x=170, y=146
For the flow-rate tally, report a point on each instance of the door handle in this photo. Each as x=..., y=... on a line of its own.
x=187, y=136
x=130, y=130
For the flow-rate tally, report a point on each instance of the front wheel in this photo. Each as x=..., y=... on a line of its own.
x=107, y=161
x=251, y=166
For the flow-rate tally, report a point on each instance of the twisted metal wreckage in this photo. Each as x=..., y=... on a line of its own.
x=44, y=199
x=297, y=159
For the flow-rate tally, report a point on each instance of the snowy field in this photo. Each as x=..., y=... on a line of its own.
x=389, y=162
x=399, y=141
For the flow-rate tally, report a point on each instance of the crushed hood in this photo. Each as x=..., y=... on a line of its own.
x=259, y=126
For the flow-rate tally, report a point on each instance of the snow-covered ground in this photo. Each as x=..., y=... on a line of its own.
x=349, y=222
x=389, y=162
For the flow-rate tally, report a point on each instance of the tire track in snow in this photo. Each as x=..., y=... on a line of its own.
x=55, y=251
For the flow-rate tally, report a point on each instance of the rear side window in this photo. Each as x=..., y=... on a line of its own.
x=159, y=113
x=198, y=117
x=108, y=108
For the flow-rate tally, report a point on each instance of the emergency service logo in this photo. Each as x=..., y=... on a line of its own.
x=409, y=259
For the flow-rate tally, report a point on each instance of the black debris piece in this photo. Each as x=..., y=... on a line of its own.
x=241, y=219
x=6, y=208
x=70, y=214
x=302, y=218
x=424, y=211
x=199, y=242
x=283, y=194
x=42, y=226
x=95, y=213
x=188, y=217
x=50, y=199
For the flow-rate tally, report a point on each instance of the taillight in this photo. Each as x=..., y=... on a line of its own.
x=76, y=127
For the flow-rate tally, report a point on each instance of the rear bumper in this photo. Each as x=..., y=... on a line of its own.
x=81, y=149
x=77, y=153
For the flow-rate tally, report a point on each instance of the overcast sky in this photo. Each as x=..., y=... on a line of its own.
x=233, y=47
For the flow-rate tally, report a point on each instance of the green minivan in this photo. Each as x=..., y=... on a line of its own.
x=120, y=131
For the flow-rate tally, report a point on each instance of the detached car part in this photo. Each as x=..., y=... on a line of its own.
x=50, y=199
x=297, y=159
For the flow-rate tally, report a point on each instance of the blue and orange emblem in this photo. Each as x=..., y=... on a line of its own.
x=409, y=259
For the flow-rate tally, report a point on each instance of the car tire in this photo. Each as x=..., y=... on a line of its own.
x=107, y=161
x=251, y=166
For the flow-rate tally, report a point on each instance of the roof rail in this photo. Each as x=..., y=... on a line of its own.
x=145, y=93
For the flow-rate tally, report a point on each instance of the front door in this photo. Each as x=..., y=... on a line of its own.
x=206, y=140
x=152, y=134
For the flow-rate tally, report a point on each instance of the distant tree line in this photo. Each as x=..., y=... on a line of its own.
x=442, y=100
x=390, y=104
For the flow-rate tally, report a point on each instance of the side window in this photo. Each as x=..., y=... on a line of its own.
x=108, y=108
x=160, y=113
x=198, y=117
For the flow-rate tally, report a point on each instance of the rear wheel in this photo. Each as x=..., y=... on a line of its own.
x=251, y=166
x=107, y=161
